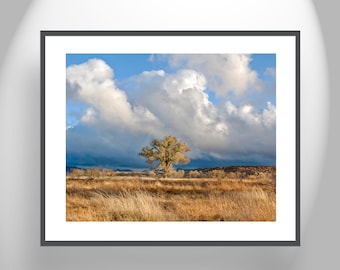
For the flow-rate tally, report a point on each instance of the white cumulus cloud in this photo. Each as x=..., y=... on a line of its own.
x=180, y=102
x=93, y=84
x=224, y=72
x=118, y=121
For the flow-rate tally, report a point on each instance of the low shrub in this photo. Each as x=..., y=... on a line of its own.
x=195, y=174
x=216, y=174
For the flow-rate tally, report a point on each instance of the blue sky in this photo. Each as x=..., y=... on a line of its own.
x=223, y=106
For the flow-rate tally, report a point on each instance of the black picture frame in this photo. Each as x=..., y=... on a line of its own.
x=46, y=34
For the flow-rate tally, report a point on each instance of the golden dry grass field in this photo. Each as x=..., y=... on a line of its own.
x=211, y=195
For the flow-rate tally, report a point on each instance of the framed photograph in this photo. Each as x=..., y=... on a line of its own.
x=170, y=138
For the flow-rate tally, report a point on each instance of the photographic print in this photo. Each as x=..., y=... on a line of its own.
x=170, y=138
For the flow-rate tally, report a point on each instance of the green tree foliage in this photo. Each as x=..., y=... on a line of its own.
x=164, y=153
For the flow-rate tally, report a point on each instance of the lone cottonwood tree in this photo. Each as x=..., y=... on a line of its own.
x=164, y=153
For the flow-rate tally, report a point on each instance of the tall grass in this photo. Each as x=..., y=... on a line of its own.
x=126, y=198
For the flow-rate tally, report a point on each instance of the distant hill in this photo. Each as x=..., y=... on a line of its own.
x=69, y=168
x=242, y=170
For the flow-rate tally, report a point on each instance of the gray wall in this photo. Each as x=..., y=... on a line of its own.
x=320, y=239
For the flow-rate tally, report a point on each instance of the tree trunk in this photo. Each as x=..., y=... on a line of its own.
x=167, y=169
